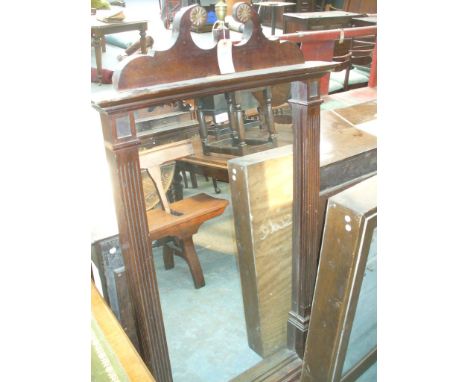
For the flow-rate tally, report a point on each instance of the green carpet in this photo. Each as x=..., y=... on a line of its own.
x=105, y=367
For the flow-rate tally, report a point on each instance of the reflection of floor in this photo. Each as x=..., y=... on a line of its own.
x=205, y=327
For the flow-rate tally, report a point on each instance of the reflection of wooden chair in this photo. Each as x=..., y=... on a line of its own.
x=355, y=57
x=183, y=218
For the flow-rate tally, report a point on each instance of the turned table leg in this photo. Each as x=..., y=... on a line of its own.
x=97, y=39
x=143, y=40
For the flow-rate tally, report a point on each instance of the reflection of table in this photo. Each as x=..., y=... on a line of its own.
x=312, y=21
x=344, y=151
x=273, y=5
x=99, y=29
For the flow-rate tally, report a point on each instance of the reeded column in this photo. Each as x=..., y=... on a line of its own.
x=305, y=108
x=122, y=154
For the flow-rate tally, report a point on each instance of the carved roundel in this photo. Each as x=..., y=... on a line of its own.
x=242, y=12
x=198, y=16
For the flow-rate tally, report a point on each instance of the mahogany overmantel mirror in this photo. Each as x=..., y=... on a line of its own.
x=183, y=73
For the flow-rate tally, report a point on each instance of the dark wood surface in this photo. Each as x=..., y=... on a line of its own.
x=121, y=142
x=107, y=256
x=123, y=101
x=311, y=21
x=364, y=21
x=261, y=192
x=193, y=212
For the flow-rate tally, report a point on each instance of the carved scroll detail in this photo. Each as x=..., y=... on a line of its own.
x=185, y=60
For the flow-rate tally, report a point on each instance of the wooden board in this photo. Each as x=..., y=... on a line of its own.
x=262, y=204
x=351, y=220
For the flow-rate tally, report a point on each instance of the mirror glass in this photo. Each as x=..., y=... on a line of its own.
x=233, y=314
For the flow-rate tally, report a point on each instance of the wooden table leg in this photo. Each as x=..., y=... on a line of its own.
x=194, y=263
x=143, y=41
x=168, y=257
x=273, y=21
x=103, y=44
x=97, y=50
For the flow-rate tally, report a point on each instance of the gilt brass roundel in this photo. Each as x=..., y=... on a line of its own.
x=198, y=16
x=242, y=12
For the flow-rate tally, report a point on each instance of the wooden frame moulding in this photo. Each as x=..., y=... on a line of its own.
x=122, y=151
x=146, y=81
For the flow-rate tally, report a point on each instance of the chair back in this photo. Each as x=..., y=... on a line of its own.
x=152, y=159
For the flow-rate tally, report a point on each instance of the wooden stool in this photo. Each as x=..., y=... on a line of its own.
x=183, y=218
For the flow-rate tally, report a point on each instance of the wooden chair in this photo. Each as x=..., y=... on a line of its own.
x=180, y=219
x=340, y=54
x=355, y=67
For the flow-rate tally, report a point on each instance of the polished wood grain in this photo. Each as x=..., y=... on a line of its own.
x=183, y=222
x=261, y=202
x=123, y=348
x=305, y=106
x=182, y=61
x=194, y=211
